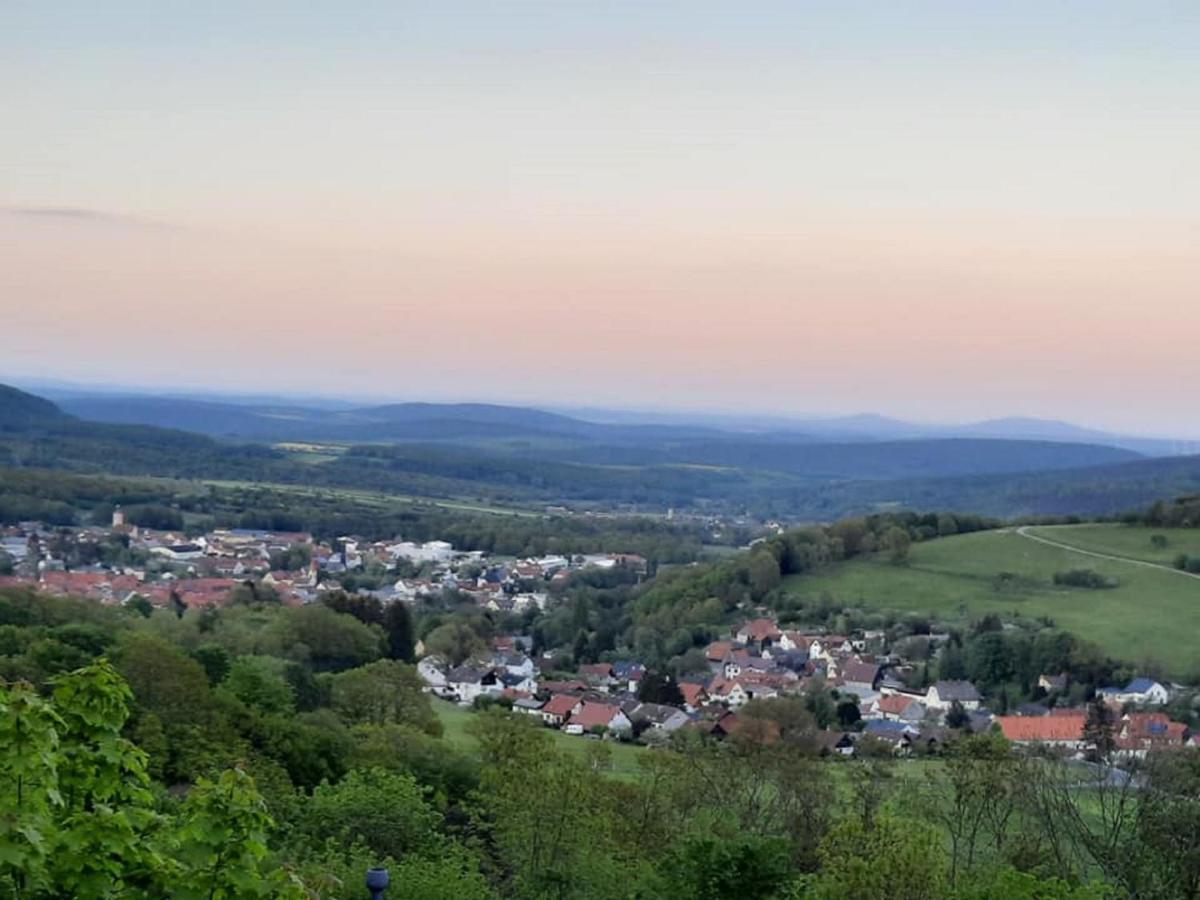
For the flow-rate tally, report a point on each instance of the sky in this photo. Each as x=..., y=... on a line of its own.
x=941, y=211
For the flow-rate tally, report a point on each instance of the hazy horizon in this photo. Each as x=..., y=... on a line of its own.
x=941, y=213
x=611, y=412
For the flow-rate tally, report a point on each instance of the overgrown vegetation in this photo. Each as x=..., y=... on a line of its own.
x=83, y=815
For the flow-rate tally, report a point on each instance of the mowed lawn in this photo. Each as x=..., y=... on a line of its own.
x=455, y=720
x=1152, y=615
x=1131, y=541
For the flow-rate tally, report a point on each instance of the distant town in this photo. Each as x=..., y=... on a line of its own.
x=127, y=564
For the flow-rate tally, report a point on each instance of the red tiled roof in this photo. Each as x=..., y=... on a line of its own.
x=760, y=629
x=74, y=581
x=1153, y=727
x=592, y=714
x=1042, y=728
x=894, y=704
x=693, y=694
x=718, y=649
x=560, y=705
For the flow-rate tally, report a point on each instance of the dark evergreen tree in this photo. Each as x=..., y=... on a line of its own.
x=957, y=716
x=397, y=622
x=1099, y=731
x=580, y=649
x=659, y=687
x=848, y=713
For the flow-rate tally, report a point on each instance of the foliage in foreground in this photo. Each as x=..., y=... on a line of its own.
x=81, y=819
x=297, y=757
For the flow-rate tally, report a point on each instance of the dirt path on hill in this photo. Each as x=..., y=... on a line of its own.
x=1023, y=531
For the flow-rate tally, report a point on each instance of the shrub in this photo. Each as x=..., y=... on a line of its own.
x=1084, y=578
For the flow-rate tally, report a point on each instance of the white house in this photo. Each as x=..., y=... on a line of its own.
x=407, y=591
x=942, y=695
x=559, y=708
x=896, y=708
x=1143, y=692
x=179, y=552
x=467, y=683
x=1052, y=684
x=529, y=705
x=591, y=715
x=552, y=563
x=522, y=602
x=525, y=684
x=827, y=646
x=432, y=670
x=431, y=551
x=793, y=640
x=515, y=664
x=758, y=632
x=660, y=717
x=731, y=693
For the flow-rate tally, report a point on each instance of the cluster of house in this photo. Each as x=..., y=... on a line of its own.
x=603, y=698
x=1135, y=733
x=762, y=661
x=501, y=585
x=204, y=570
x=759, y=661
x=197, y=571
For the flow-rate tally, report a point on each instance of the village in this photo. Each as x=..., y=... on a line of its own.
x=126, y=564
x=873, y=703
x=876, y=711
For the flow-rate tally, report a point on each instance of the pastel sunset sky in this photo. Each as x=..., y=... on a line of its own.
x=942, y=211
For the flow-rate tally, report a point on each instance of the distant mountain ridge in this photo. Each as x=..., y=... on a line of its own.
x=417, y=421
x=514, y=455
x=534, y=433
x=388, y=422
x=20, y=410
x=875, y=427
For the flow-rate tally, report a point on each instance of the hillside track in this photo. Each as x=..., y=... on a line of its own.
x=1023, y=531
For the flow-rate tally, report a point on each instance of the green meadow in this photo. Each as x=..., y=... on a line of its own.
x=1129, y=541
x=1152, y=615
x=455, y=719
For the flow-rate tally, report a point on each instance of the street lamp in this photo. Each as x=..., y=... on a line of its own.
x=377, y=882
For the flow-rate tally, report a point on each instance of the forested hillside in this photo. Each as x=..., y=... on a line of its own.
x=507, y=456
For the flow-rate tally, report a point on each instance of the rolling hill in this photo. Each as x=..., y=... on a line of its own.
x=1152, y=615
x=520, y=456
x=945, y=458
x=21, y=411
x=534, y=433
x=406, y=422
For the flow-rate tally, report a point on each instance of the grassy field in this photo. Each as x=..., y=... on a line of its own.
x=1126, y=540
x=454, y=720
x=372, y=498
x=1151, y=615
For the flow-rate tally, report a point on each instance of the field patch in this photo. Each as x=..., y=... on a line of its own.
x=1132, y=541
x=455, y=720
x=1150, y=615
